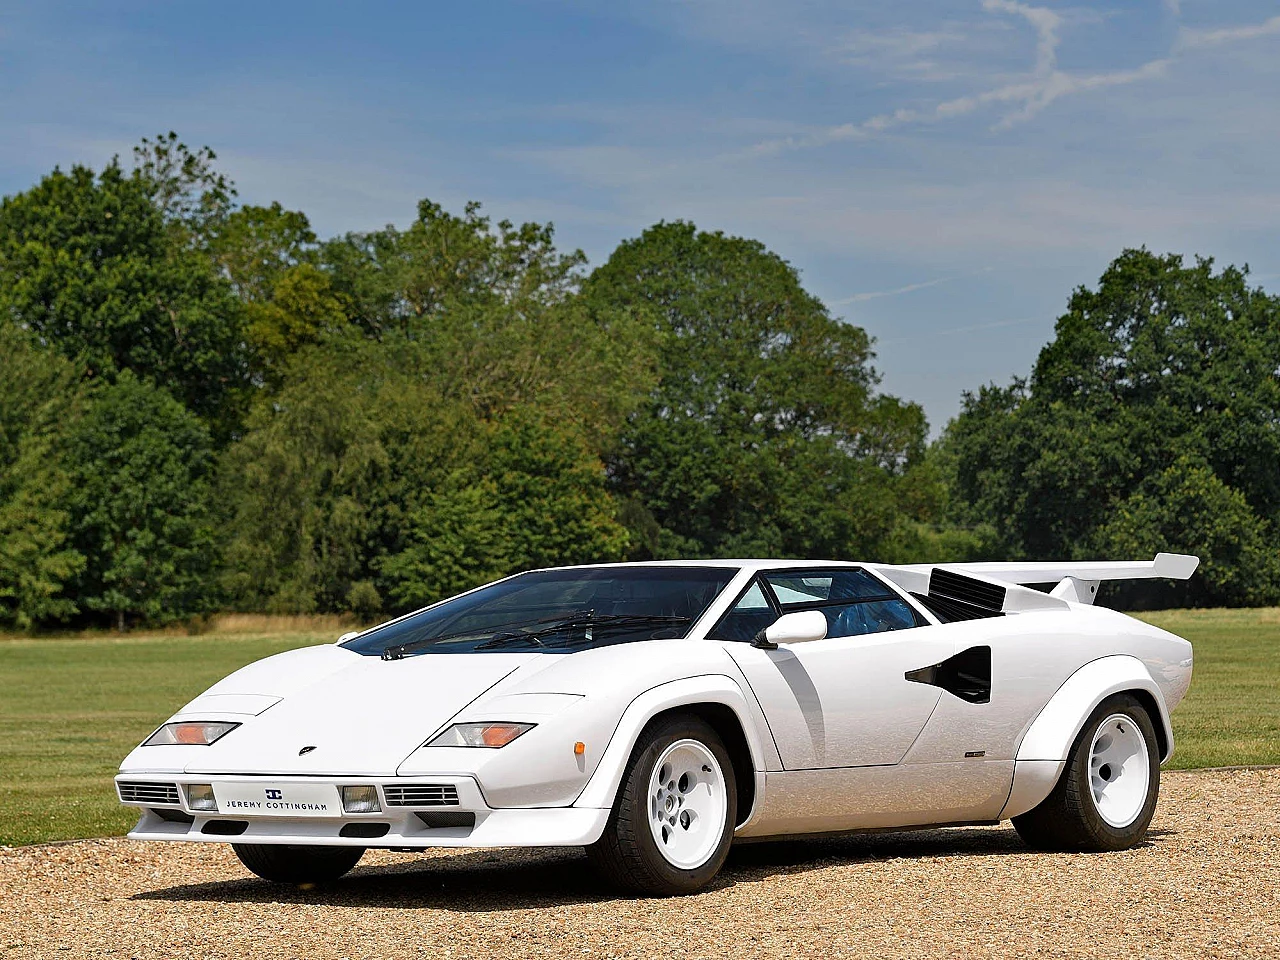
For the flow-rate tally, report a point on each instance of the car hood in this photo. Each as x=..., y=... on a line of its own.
x=358, y=715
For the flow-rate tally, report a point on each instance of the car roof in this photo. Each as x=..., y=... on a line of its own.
x=753, y=564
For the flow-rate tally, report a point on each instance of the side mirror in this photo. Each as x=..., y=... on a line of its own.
x=351, y=635
x=800, y=627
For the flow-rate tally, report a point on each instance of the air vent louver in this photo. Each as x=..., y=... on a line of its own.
x=148, y=794
x=421, y=795
x=977, y=593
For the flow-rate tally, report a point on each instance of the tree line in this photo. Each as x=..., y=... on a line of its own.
x=206, y=406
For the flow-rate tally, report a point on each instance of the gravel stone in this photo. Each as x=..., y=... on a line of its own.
x=1206, y=884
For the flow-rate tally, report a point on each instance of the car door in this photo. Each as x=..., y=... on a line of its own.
x=844, y=701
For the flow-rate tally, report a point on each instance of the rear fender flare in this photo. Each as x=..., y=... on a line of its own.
x=602, y=788
x=1043, y=753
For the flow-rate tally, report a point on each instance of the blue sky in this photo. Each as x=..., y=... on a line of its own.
x=942, y=173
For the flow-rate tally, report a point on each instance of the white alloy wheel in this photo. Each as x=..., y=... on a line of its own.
x=1119, y=770
x=687, y=804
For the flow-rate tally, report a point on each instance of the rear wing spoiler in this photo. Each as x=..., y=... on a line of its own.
x=994, y=588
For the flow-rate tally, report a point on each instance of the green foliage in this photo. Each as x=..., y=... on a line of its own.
x=255, y=245
x=1188, y=509
x=89, y=265
x=138, y=463
x=300, y=310
x=296, y=491
x=186, y=189
x=763, y=434
x=362, y=470
x=1152, y=421
x=39, y=398
x=394, y=282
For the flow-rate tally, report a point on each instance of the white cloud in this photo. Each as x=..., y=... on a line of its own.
x=1212, y=37
x=903, y=53
x=1022, y=98
x=1046, y=23
x=898, y=291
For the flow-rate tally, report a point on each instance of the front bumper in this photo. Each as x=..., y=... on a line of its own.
x=467, y=821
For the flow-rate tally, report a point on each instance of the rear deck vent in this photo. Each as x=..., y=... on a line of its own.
x=148, y=794
x=953, y=596
x=956, y=586
x=421, y=795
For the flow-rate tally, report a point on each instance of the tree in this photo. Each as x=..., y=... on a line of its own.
x=298, y=490
x=400, y=282
x=764, y=434
x=192, y=197
x=529, y=494
x=1186, y=508
x=89, y=266
x=362, y=470
x=139, y=465
x=300, y=310
x=40, y=398
x=492, y=314
x=1160, y=385
x=255, y=246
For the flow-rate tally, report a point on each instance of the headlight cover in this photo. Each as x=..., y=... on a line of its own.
x=184, y=732
x=492, y=735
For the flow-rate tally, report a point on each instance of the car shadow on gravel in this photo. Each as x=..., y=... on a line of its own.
x=486, y=880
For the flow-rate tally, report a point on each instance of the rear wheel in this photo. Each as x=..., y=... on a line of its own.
x=673, y=819
x=1107, y=794
x=283, y=863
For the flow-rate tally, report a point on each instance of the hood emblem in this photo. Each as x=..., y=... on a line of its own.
x=305, y=750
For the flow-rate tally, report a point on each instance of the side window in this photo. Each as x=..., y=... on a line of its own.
x=805, y=587
x=855, y=602
x=751, y=614
x=871, y=616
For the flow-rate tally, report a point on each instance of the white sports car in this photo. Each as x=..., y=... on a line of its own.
x=654, y=713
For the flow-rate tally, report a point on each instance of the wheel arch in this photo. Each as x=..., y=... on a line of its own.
x=1045, y=747
x=717, y=700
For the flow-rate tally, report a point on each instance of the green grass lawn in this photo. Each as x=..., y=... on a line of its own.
x=71, y=707
x=1231, y=715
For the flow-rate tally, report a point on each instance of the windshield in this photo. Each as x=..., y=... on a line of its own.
x=555, y=611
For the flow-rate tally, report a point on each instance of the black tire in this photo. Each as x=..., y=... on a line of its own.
x=285, y=863
x=1068, y=819
x=627, y=854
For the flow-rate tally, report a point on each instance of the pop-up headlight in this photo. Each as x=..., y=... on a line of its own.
x=199, y=732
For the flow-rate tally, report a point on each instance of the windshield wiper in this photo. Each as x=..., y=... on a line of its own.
x=586, y=621
x=398, y=651
x=590, y=622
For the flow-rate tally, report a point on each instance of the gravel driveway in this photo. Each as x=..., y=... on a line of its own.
x=1206, y=884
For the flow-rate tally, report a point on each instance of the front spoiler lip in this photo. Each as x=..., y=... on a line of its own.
x=505, y=827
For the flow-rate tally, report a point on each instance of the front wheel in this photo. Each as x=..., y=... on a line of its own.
x=1107, y=794
x=284, y=863
x=673, y=819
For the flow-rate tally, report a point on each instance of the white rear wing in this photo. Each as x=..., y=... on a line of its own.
x=1168, y=566
x=1076, y=581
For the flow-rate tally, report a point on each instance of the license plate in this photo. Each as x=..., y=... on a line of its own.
x=278, y=799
